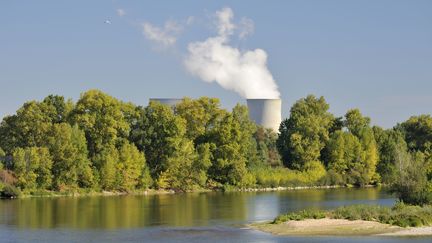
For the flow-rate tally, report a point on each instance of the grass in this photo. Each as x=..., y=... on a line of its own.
x=400, y=215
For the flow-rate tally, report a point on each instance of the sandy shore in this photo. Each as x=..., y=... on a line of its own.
x=339, y=227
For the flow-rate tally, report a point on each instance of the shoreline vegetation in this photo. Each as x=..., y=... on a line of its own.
x=102, y=144
x=81, y=193
x=355, y=220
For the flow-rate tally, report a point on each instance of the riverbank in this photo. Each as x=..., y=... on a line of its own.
x=400, y=220
x=46, y=193
x=339, y=227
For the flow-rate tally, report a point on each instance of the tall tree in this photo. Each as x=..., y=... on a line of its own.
x=130, y=167
x=100, y=116
x=356, y=122
x=107, y=161
x=186, y=170
x=57, y=108
x=267, y=148
x=200, y=115
x=304, y=134
x=157, y=133
x=27, y=128
x=229, y=160
x=32, y=167
x=418, y=132
x=389, y=142
x=247, y=142
x=71, y=166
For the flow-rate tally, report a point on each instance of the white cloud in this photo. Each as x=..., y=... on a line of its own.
x=121, y=12
x=166, y=35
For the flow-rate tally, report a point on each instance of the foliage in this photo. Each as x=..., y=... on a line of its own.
x=27, y=128
x=32, y=167
x=418, y=132
x=186, y=169
x=351, y=156
x=101, y=143
x=266, y=148
x=411, y=183
x=101, y=118
x=355, y=122
x=400, y=215
x=300, y=215
x=130, y=168
x=9, y=191
x=284, y=177
x=304, y=134
x=71, y=166
x=391, y=144
x=157, y=133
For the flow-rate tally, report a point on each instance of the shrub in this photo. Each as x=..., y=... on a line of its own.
x=300, y=215
x=401, y=215
x=9, y=191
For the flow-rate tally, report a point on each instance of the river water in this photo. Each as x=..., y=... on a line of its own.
x=190, y=217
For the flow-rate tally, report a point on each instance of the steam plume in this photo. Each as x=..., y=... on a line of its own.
x=244, y=72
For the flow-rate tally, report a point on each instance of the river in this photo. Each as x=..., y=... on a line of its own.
x=191, y=217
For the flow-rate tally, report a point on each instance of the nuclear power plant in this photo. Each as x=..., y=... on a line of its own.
x=167, y=101
x=265, y=112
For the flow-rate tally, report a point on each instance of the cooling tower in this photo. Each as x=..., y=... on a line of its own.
x=167, y=101
x=266, y=112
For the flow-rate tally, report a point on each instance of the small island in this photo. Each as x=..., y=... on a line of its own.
x=355, y=220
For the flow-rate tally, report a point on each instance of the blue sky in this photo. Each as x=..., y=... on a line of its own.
x=371, y=55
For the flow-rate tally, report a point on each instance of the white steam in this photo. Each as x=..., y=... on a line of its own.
x=244, y=72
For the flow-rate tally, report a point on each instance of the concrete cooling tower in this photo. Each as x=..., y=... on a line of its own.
x=266, y=112
x=167, y=101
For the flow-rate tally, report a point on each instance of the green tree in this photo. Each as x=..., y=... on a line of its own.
x=57, y=108
x=304, y=134
x=130, y=167
x=157, y=133
x=411, y=184
x=418, y=133
x=32, y=168
x=180, y=174
x=102, y=119
x=267, y=147
x=229, y=160
x=356, y=122
x=107, y=160
x=370, y=151
x=246, y=137
x=390, y=143
x=27, y=128
x=71, y=166
x=200, y=115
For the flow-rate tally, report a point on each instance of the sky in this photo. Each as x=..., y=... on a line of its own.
x=372, y=55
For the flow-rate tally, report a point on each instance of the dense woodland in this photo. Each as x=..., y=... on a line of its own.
x=101, y=143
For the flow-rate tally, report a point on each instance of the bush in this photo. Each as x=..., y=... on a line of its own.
x=401, y=215
x=9, y=191
x=360, y=212
x=300, y=215
x=284, y=177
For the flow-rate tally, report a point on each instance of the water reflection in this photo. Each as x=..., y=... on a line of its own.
x=186, y=210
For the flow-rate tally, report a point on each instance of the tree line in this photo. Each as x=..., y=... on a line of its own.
x=102, y=143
